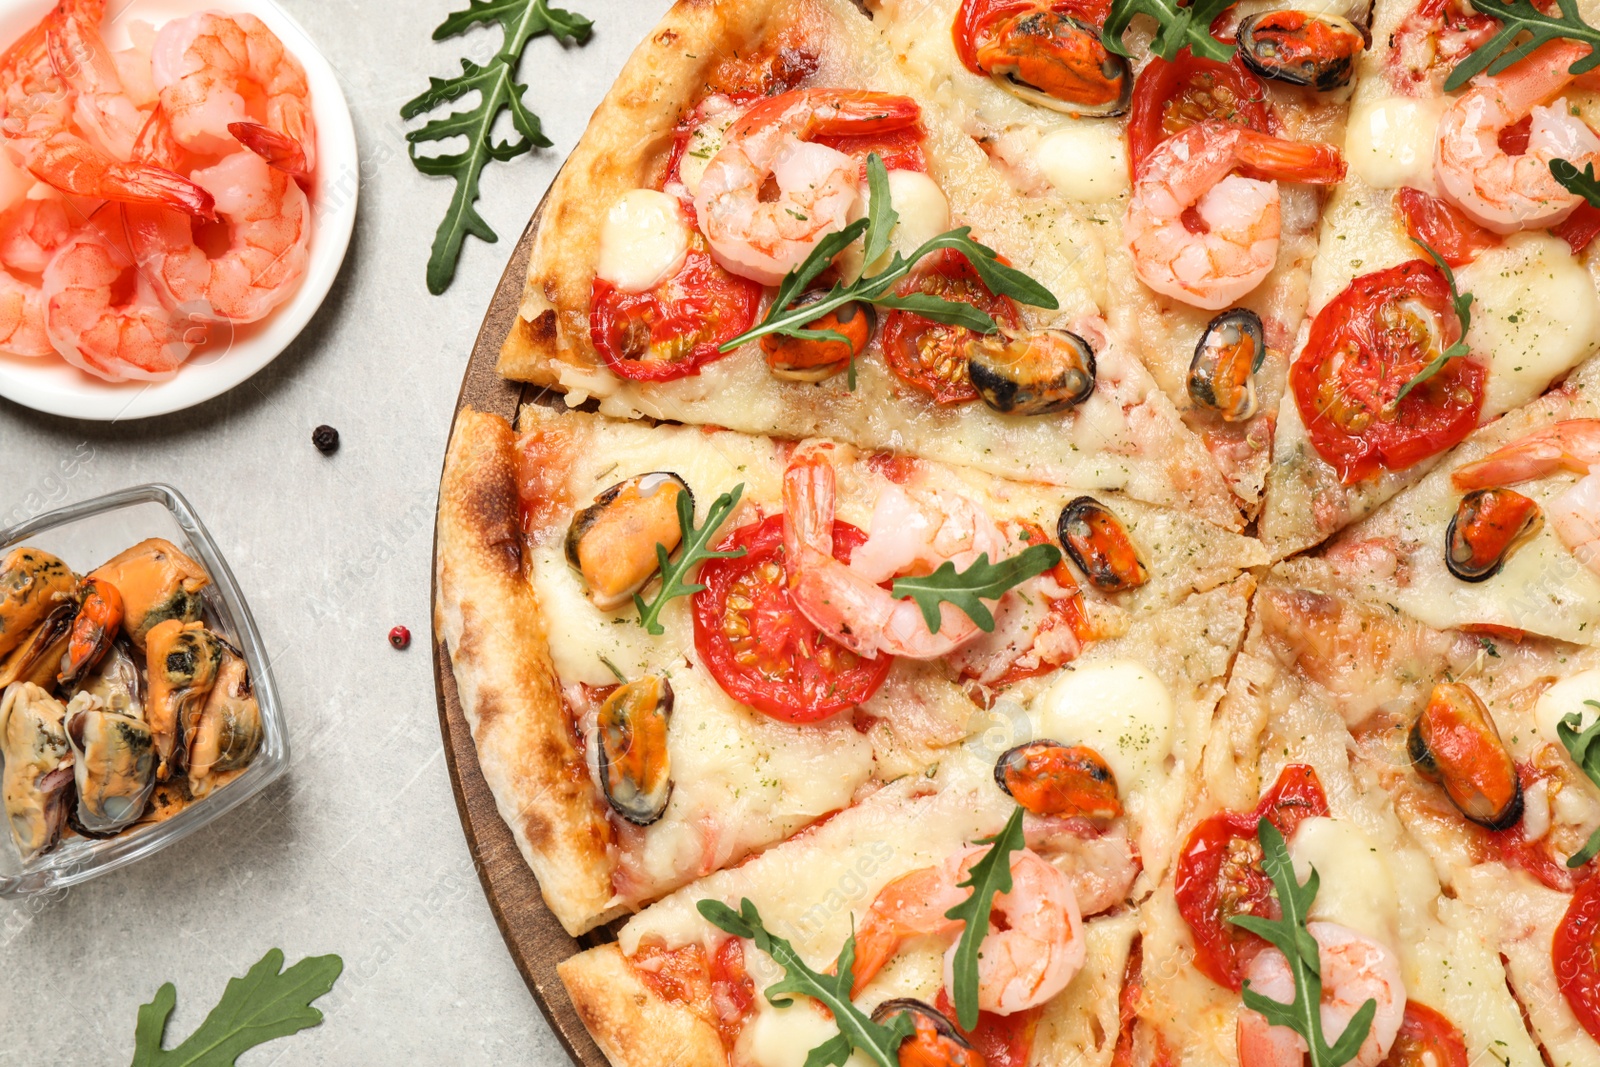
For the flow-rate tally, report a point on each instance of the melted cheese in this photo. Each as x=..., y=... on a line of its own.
x=643, y=241
x=1085, y=161
x=924, y=214
x=1357, y=889
x=1389, y=142
x=1567, y=697
x=1120, y=708
x=784, y=1037
x=706, y=141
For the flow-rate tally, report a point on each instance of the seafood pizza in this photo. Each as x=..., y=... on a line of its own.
x=1058, y=531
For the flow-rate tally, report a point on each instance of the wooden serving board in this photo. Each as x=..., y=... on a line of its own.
x=536, y=940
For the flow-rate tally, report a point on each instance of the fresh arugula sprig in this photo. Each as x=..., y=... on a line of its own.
x=880, y=1041
x=969, y=588
x=1584, y=748
x=693, y=550
x=790, y=321
x=989, y=877
x=1289, y=933
x=1577, y=181
x=495, y=81
x=1177, y=24
x=1461, y=303
x=255, y=1009
x=1516, y=18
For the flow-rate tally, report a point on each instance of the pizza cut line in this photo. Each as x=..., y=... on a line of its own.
x=1056, y=535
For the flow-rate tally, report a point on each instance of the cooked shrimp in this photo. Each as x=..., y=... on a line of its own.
x=1189, y=179
x=764, y=238
x=847, y=601
x=1026, y=958
x=206, y=68
x=1502, y=192
x=1355, y=969
x=30, y=233
x=82, y=59
x=37, y=120
x=1572, y=445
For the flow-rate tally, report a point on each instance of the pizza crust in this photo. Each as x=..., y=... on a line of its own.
x=634, y=1026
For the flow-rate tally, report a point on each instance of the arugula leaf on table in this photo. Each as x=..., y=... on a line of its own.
x=495, y=81
x=1462, y=304
x=969, y=588
x=1516, y=18
x=693, y=552
x=255, y=1009
x=1577, y=181
x=989, y=877
x=880, y=1041
x=1585, y=752
x=1304, y=1014
x=1177, y=24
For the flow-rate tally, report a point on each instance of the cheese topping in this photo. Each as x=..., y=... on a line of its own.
x=1389, y=142
x=1567, y=697
x=1357, y=889
x=1119, y=708
x=924, y=214
x=784, y=1037
x=644, y=240
x=1085, y=161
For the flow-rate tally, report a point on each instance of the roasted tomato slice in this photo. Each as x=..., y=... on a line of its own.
x=1580, y=227
x=1456, y=238
x=1168, y=98
x=1364, y=346
x=931, y=355
x=1575, y=953
x=1426, y=1039
x=674, y=329
x=758, y=645
x=1219, y=873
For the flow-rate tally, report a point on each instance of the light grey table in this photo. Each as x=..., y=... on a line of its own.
x=358, y=849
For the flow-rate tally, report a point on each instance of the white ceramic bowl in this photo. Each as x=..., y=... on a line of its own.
x=49, y=384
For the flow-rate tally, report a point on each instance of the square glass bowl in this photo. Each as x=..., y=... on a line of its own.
x=84, y=536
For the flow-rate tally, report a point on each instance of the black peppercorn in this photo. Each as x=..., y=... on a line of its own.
x=326, y=438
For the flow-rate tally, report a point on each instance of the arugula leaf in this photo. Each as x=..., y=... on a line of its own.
x=1585, y=752
x=790, y=321
x=1177, y=24
x=1304, y=1014
x=1577, y=181
x=262, y=1005
x=1516, y=18
x=989, y=876
x=879, y=1041
x=495, y=82
x=1462, y=304
x=693, y=552
x=968, y=589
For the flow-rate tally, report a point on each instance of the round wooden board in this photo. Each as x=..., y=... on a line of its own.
x=536, y=940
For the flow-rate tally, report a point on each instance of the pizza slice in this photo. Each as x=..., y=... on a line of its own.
x=711, y=254
x=675, y=986
x=642, y=727
x=1396, y=367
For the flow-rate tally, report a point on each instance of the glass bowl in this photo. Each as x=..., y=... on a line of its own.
x=84, y=536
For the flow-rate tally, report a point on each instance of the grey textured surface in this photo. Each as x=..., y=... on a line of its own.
x=358, y=850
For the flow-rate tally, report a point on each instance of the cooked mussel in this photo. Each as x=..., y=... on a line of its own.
x=1034, y=373
x=157, y=582
x=1222, y=375
x=38, y=658
x=809, y=359
x=612, y=542
x=1049, y=778
x=227, y=732
x=1100, y=546
x=1300, y=47
x=1454, y=743
x=98, y=622
x=32, y=585
x=935, y=1042
x=1489, y=525
x=1055, y=61
x=632, y=756
x=36, y=783
x=114, y=764
x=182, y=661
x=117, y=680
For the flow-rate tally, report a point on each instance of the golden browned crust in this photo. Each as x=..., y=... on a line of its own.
x=489, y=618
x=632, y=1025
x=627, y=139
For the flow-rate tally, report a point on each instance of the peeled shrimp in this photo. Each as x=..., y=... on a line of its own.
x=847, y=601
x=1572, y=445
x=1189, y=178
x=1507, y=193
x=1355, y=969
x=207, y=66
x=30, y=233
x=763, y=239
x=100, y=106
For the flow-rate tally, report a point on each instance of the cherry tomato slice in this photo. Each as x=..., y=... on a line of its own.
x=1444, y=229
x=757, y=644
x=1364, y=346
x=1575, y=954
x=673, y=330
x=1168, y=98
x=1426, y=1039
x=932, y=356
x=1580, y=227
x=1219, y=873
